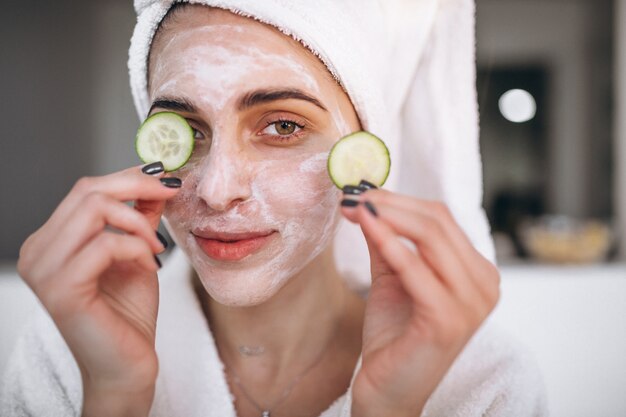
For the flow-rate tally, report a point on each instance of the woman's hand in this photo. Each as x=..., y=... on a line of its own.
x=93, y=267
x=424, y=305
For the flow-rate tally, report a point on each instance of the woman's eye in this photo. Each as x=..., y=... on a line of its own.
x=197, y=134
x=282, y=128
x=285, y=128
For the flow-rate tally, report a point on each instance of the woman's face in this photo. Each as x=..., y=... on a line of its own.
x=265, y=113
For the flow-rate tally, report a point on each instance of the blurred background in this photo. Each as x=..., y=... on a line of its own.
x=551, y=82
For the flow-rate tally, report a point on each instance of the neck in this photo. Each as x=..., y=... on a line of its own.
x=273, y=340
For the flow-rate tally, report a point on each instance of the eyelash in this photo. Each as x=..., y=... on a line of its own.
x=277, y=138
x=285, y=138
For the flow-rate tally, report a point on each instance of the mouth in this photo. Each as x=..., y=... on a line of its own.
x=231, y=246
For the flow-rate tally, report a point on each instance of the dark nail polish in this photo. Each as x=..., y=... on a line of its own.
x=371, y=208
x=346, y=202
x=153, y=168
x=171, y=182
x=353, y=190
x=161, y=239
x=158, y=261
x=368, y=185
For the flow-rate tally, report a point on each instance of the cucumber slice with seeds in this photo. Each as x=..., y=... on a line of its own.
x=165, y=137
x=359, y=156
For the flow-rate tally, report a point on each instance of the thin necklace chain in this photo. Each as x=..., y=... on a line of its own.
x=266, y=411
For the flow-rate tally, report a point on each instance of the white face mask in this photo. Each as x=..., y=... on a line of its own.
x=236, y=182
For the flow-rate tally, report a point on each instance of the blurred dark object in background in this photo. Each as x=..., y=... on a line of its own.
x=509, y=209
x=67, y=110
x=545, y=83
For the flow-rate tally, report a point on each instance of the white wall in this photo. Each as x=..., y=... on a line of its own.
x=45, y=112
x=572, y=319
x=115, y=118
x=67, y=109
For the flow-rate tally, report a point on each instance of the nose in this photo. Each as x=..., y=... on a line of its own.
x=224, y=180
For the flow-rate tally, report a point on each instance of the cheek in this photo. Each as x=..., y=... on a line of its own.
x=180, y=209
x=299, y=188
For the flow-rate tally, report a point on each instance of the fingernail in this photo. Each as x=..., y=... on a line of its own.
x=158, y=261
x=353, y=190
x=371, y=208
x=368, y=185
x=346, y=202
x=161, y=239
x=153, y=168
x=171, y=182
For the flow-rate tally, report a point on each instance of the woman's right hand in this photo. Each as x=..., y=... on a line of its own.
x=99, y=285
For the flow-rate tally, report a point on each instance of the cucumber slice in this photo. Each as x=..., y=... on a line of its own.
x=165, y=137
x=359, y=156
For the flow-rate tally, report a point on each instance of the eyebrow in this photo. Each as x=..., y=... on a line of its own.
x=171, y=103
x=258, y=97
x=247, y=101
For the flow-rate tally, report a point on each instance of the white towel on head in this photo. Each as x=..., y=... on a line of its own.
x=411, y=87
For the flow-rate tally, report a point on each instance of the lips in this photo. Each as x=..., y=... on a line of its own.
x=231, y=246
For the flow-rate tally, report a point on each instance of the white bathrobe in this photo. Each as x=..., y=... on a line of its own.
x=493, y=376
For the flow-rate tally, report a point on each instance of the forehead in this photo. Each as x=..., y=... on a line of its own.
x=200, y=36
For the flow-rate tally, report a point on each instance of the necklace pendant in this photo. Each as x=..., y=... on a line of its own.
x=251, y=350
x=266, y=414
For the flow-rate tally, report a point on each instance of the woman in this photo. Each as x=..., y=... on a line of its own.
x=254, y=214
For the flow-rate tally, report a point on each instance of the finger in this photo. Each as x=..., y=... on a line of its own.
x=466, y=284
x=417, y=278
x=440, y=215
x=434, y=247
x=80, y=275
x=378, y=265
x=126, y=185
x=434, y=210
x=89, y=219
x=129, y=184
x=348, y=205
x=152, y=210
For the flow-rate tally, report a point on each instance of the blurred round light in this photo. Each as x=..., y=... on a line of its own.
x=517, y=106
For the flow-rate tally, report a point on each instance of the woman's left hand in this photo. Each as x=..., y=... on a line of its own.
x=423, y=306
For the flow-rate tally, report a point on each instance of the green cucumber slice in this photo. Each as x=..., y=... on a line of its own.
x=165, y=137
x=359, y=156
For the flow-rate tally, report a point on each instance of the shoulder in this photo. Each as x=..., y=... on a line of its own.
x=41, y=376
x=495, y=375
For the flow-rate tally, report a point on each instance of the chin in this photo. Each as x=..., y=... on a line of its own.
x=242, y=288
